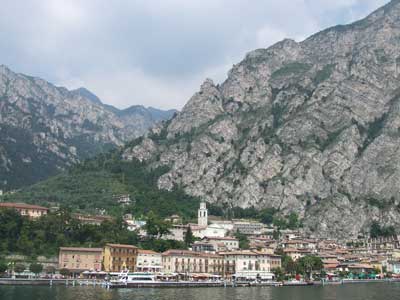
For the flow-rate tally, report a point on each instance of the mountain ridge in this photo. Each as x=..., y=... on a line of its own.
x=310, y=127
x=45, y=129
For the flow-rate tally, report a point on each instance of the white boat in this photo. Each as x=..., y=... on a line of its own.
x=136, y=277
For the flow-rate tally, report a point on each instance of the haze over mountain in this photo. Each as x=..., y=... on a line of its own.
x=310, y=127
x=44, y=128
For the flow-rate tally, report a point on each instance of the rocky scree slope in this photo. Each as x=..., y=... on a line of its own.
x=44, y=128
x=310, y=127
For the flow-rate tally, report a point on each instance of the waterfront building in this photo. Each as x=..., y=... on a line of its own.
x=148, y=261
x=78, y=260
x=27, y=210
x=240, y=262
x=189, y=262
x=393, y=266
x=118, y=257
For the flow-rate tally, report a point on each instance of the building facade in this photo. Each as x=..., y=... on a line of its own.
x=189, y=262
x=148, y=261
x=249, y=261
x=27, y=210
x=249, y=227
x=119, y=258
x=77, y=260
x=222, y=243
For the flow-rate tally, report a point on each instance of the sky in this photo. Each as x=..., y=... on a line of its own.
x=154, y=52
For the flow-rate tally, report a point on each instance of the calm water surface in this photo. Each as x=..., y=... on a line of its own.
x=371, y=291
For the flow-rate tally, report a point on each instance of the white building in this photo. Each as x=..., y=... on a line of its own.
x=226, y=224
x=249, y=227
x=250, y=262
x=222, y=243
x=210, y=230
x=132, y=224
x=176, y=232
x=148, y=261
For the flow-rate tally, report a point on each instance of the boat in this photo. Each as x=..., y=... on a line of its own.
x=136, y=277
x=297, y=283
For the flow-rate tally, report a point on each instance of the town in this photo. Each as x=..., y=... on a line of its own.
x=234, y=250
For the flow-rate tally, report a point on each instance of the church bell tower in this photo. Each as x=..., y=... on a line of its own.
x=202, y=215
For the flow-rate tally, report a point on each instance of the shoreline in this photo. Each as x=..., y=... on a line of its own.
x=178, y=284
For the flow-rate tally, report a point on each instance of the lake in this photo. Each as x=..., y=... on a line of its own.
x=369, y=291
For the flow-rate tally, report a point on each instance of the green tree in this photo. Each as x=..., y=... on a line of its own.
x=50, y=270
x=279, y=274
x=293, y=222
x=276, y=234
x=155, y=226
x=279, y=223
x=3, y=266
x=375, y=230
x=266, y=216
x=64, y=272
x=19, y=268
x=309, y=263
x=189, y=237
x=288, y=264
x=36, y=268
x=244, y=242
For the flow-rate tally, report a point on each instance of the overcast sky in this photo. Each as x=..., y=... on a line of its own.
x=153, y=52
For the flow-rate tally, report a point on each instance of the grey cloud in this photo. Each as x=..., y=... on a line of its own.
x=153, y=52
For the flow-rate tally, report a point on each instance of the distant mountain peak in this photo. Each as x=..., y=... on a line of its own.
x=45, y=128
x=85, y=93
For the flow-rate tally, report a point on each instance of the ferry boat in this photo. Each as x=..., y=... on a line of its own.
x=136, y=277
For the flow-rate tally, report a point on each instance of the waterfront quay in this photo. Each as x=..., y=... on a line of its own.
x=215, y=253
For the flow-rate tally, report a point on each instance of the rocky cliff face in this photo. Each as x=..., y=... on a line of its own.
x=310, y=127
x=44, y=128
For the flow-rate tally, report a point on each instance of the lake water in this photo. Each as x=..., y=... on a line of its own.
x=370, y=291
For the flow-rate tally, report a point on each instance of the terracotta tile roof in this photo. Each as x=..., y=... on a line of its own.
x=77, y=249
x=22, y=206
x=143, y=251
x=288, y=250
x=330, y=266
x=121, y=246
x=177, y=252
x=226, y=238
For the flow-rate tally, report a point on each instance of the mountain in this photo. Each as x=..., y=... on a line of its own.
x=309, y=127
x=149, y=116
x=44, y=128
x=85, y=93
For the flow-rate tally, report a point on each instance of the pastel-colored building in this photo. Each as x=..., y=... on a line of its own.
x=78, y=260
x=148, y=261
x=242, y=261
x=27, y=210
x=393, y=267
x=118, y=257
x=189, y=262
